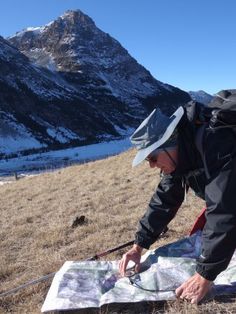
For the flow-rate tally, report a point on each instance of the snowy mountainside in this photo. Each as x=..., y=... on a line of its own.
x=15, y=136
x=26, y=97
x=69, y=83
x=201, y=97
x=39, y=110
x=19, y=82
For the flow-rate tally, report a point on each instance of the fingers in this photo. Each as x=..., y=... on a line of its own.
x=132, y=255
x=137, y=267
x=194, y=289
x=183, y=292
x=123, y=264
x=184, y=295
x=194, y=301
x=179, y=291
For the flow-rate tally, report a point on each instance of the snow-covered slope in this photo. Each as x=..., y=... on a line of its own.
x=201, y=97
x=69, y=83
x=15, y=136
x=28, y=120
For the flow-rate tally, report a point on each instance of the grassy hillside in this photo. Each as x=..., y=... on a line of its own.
x=37, y=236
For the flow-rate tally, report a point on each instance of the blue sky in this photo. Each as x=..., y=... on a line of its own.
x=190, y=44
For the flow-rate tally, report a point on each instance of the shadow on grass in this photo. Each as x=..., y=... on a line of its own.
x=220, y=305
x=122, y=308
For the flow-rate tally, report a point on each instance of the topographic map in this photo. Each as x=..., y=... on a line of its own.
x=91, y=284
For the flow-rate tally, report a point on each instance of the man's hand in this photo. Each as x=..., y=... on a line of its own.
x=194, y=289
x=134, y=255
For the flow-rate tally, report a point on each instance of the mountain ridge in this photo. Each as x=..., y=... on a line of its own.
x=201, y=96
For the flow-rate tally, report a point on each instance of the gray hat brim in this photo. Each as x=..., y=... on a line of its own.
x=143, y=153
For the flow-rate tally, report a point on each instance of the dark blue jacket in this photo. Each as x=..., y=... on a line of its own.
x=206, y=164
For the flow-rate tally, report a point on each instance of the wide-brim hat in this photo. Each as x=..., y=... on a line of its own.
x=153, y=132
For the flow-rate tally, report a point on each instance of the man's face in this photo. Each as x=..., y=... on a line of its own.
x=164, y=160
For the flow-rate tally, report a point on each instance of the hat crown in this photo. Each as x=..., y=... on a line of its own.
x=157, y=131
x=151, y=129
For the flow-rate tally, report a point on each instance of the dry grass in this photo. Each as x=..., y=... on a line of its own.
x=37, y=237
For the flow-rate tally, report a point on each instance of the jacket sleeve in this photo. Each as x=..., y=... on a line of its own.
x=162, y=208
x=219, y=234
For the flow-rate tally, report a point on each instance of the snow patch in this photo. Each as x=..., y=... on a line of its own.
x=54, y=159
x=36, y=30
x=124, y=131
x=62, y=135
x=15, y=137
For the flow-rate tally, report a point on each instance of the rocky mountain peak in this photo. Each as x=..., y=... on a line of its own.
x=65, y=29
x=71, y=26
x=77, y=18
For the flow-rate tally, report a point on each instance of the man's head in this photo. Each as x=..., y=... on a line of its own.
x=156, y=137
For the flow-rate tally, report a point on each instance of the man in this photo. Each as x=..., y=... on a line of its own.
x=196, y=155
